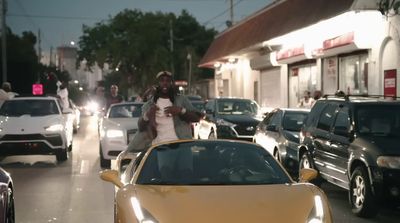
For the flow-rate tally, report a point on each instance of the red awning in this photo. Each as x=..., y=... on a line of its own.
x=272, y=21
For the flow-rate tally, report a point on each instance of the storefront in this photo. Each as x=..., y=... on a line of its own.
x=302, y=77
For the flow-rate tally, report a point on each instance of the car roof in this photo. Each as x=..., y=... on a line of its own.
x=126, y=103
x=34, y=98
x=295, y=109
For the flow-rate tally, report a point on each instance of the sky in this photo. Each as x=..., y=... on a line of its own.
x=60, y=21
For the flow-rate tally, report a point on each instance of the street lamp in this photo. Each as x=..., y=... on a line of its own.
x=189, y=57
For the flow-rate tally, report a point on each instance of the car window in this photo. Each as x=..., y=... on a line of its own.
x=210, y=163
x=327, y=116
x=276, y=119
x=315, y=112
x=210, y=106
x=378, y=120
x=293, y=121
x=125, y=111
x=342, y=123
x=237, y=107
x=16, y=108
x=199, y=105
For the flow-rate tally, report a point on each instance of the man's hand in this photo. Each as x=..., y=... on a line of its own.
x=151, y=113
x=172, y=110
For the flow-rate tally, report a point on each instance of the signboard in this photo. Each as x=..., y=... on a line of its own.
x=181, y=83
x=37, y=89
x=390, y=83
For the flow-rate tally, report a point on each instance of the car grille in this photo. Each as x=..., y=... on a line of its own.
x=130, y=134
x=53, y=139
x=245, y=130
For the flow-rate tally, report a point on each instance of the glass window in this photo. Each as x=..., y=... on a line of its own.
x=16, y=108
x=327, y=116
x=276, y=119
x=126, y=111
x=342, y=123
x=378, y=120
x=211, y=163
x=353, y=77
x=237, y=107
x=293, y=121
x=210, y=106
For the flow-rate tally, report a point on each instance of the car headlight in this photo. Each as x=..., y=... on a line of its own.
x=317, y=213
x=392, y=162
x=54, y=128
x=142, y=215
x=225, y=123
x=114, y=133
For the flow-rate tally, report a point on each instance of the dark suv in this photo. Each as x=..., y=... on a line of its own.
x=354, y=143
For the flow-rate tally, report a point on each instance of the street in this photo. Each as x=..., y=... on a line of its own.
x=73, y=192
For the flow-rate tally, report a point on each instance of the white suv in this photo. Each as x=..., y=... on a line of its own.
x=35, y=125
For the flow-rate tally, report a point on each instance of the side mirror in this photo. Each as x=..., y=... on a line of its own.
x=306, y=175
x=111, y=176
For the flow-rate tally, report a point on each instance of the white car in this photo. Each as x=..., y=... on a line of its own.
x=116, y=129
x=76, y=115
x=35, y=125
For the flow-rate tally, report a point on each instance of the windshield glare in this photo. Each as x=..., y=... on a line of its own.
x=237, y=107
x=16, y=108
x=211, y=163
x=378, y=120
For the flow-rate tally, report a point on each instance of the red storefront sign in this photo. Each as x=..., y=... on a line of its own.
x=390, y=87
x=285, y=54
x=342, y=40
x=37, y=89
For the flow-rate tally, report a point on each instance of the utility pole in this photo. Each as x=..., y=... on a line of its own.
x=171, y=45
x=189, y=57
x=3, y=39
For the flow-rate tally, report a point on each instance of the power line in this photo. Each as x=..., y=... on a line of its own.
x=221, y=14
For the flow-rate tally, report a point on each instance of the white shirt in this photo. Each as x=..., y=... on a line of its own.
x=63, y=93
x=165, y=124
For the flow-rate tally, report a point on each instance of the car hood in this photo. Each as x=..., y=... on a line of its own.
x=388, y=145
x=241, y=119
x=176, y=204
x=28, y=123
x=121, y=123
x=291, y=136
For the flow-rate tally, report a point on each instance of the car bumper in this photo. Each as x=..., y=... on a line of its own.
x=111, y=149
x=226, y=132
x=387, y=184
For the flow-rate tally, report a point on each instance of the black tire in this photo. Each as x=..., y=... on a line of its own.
x=70, y=147
x=104, y=163
x=10, y=214
x=212, y=135
x=62, y=155
x=362, y=201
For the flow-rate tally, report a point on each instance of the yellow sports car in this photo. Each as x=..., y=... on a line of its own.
x=192, y=181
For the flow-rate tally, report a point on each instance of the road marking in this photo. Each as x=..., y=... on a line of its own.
x=85, y=164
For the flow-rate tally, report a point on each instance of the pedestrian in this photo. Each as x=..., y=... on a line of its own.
x=317, y=94
x=3, y=96
x=6, y=86
x=113, y=97
x=62, y=92
x=307, y=101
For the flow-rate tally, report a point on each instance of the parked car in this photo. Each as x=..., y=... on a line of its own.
x=199, y=105
x=35, y=125
x=354, y=143
x=76, y=115
x=116, y=129
x=229, y=118
x=7, y=208
x=278, y=133
x=213, y=181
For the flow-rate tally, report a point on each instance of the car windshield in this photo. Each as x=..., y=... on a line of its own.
x=237, y=107
x=292, y=120
x=199, y=105
x=378, y=120
x=211, y=163
x=125, y=111
x=16, y=108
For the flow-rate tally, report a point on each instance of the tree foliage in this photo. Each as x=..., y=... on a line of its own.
x=22, y=61
x=139, y=45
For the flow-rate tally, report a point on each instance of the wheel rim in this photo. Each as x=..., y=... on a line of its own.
x=358, y=191
x=305, y=162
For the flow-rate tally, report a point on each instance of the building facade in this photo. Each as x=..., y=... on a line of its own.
x=289, y=47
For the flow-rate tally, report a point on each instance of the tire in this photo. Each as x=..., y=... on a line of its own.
x=70, y=147
x=307, y=162
x=10, y=214
x=62, y=155
x=212, y=135
x=104, y=163
x=362, y=201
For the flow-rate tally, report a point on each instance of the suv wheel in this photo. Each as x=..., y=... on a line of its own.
x=62, y=155
x=305, y=161
x=361, y=198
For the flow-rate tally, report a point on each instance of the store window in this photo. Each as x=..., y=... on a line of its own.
x=353, y=77
x=330, y=67
x=301, y=78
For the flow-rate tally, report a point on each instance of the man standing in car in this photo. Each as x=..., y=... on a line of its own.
x=113, y=97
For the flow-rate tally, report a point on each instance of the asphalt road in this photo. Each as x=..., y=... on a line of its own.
x=72, y=192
